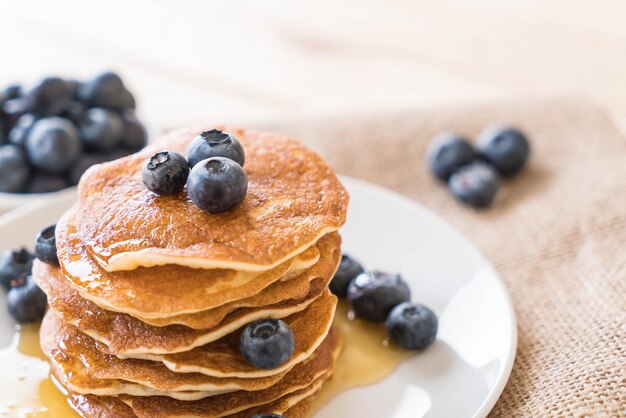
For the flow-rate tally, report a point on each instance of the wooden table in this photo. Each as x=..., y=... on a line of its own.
x=191, y=61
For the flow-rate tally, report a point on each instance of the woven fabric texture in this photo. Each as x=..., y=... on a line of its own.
x=557, y=235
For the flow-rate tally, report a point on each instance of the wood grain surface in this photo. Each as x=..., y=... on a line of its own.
x=190, y=61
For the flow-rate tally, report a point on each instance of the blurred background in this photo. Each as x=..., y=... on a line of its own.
x=190, y=61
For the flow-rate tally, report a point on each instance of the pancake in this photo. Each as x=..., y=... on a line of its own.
x=278, y=298
x=91, y=406
x=221, y=358
x=293, y=199
x=127, y=336
x=66, y=347
x=318, y=366
x=161, y=291
x=298, y=403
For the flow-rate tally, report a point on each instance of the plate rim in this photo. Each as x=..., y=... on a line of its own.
x=503, y=377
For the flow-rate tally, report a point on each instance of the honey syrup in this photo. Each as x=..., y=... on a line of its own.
x=25, y=386
x=366, y=355
x=366, y=358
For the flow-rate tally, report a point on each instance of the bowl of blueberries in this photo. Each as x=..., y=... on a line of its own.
x=54, y=130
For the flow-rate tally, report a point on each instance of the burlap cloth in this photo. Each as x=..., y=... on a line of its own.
x=557, y=236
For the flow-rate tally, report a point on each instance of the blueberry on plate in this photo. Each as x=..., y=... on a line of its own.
x=46, y=246
x=217, y=184
x=14, y=264
x=26, y=302
x=14, y=169
x=134, y=136
x=102, y=91
x=267, y=416
x=53, y=144
x=447, y=153
x=475, y=184
x=348, y=269
x=101, y=129
x=48, y=96
x=411, y=326
x=267, y=343
x=215, y=143
x=166, y=173
x=373, y=294
x=82, y=164
x=506, y=148
x=20, y=130
x=46, y=183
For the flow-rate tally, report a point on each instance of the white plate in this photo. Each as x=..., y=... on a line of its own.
x=462, y=374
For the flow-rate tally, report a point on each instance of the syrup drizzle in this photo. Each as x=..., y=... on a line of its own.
x=365, y=358
x=26, y=388
x=366, y=355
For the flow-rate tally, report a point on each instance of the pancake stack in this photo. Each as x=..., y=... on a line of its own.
x=151, y=294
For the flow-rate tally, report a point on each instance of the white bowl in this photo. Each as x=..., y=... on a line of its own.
x=10, y=201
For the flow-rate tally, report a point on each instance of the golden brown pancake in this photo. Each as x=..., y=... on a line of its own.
x=127, y=336
x=293, y=199
x=65, y=345
x=92, y=406
x=304, y=375
x=221, y=358
x=294, y=285
x=279, y=298
x=298, y=404
x=161, y=291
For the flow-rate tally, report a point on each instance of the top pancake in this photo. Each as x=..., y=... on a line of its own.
x=293, y=199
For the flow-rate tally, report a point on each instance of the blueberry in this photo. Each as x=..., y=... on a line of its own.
x=267, y=416
x=84, y=162
x=266, y=344
x=46, y=246
x=12, y=110
x=373, y=294
x=217, y=184
x=506, y=148
x=447, y=153
x=53, y=144
x=116, y=154
x=46, y=183
x=72, y=87
x=348, y=269
x=475, y=184
x=101, y=129
x=14, y=169
x=166, y=173
x=124, y=101
x=134, y=136
x=11, y=91
x=22, y=127
x=215, y=143
x=411, y=326
x=26, y=302
x=48, y=97
x=14, y=264
x=102, y=91
x=74, y=111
